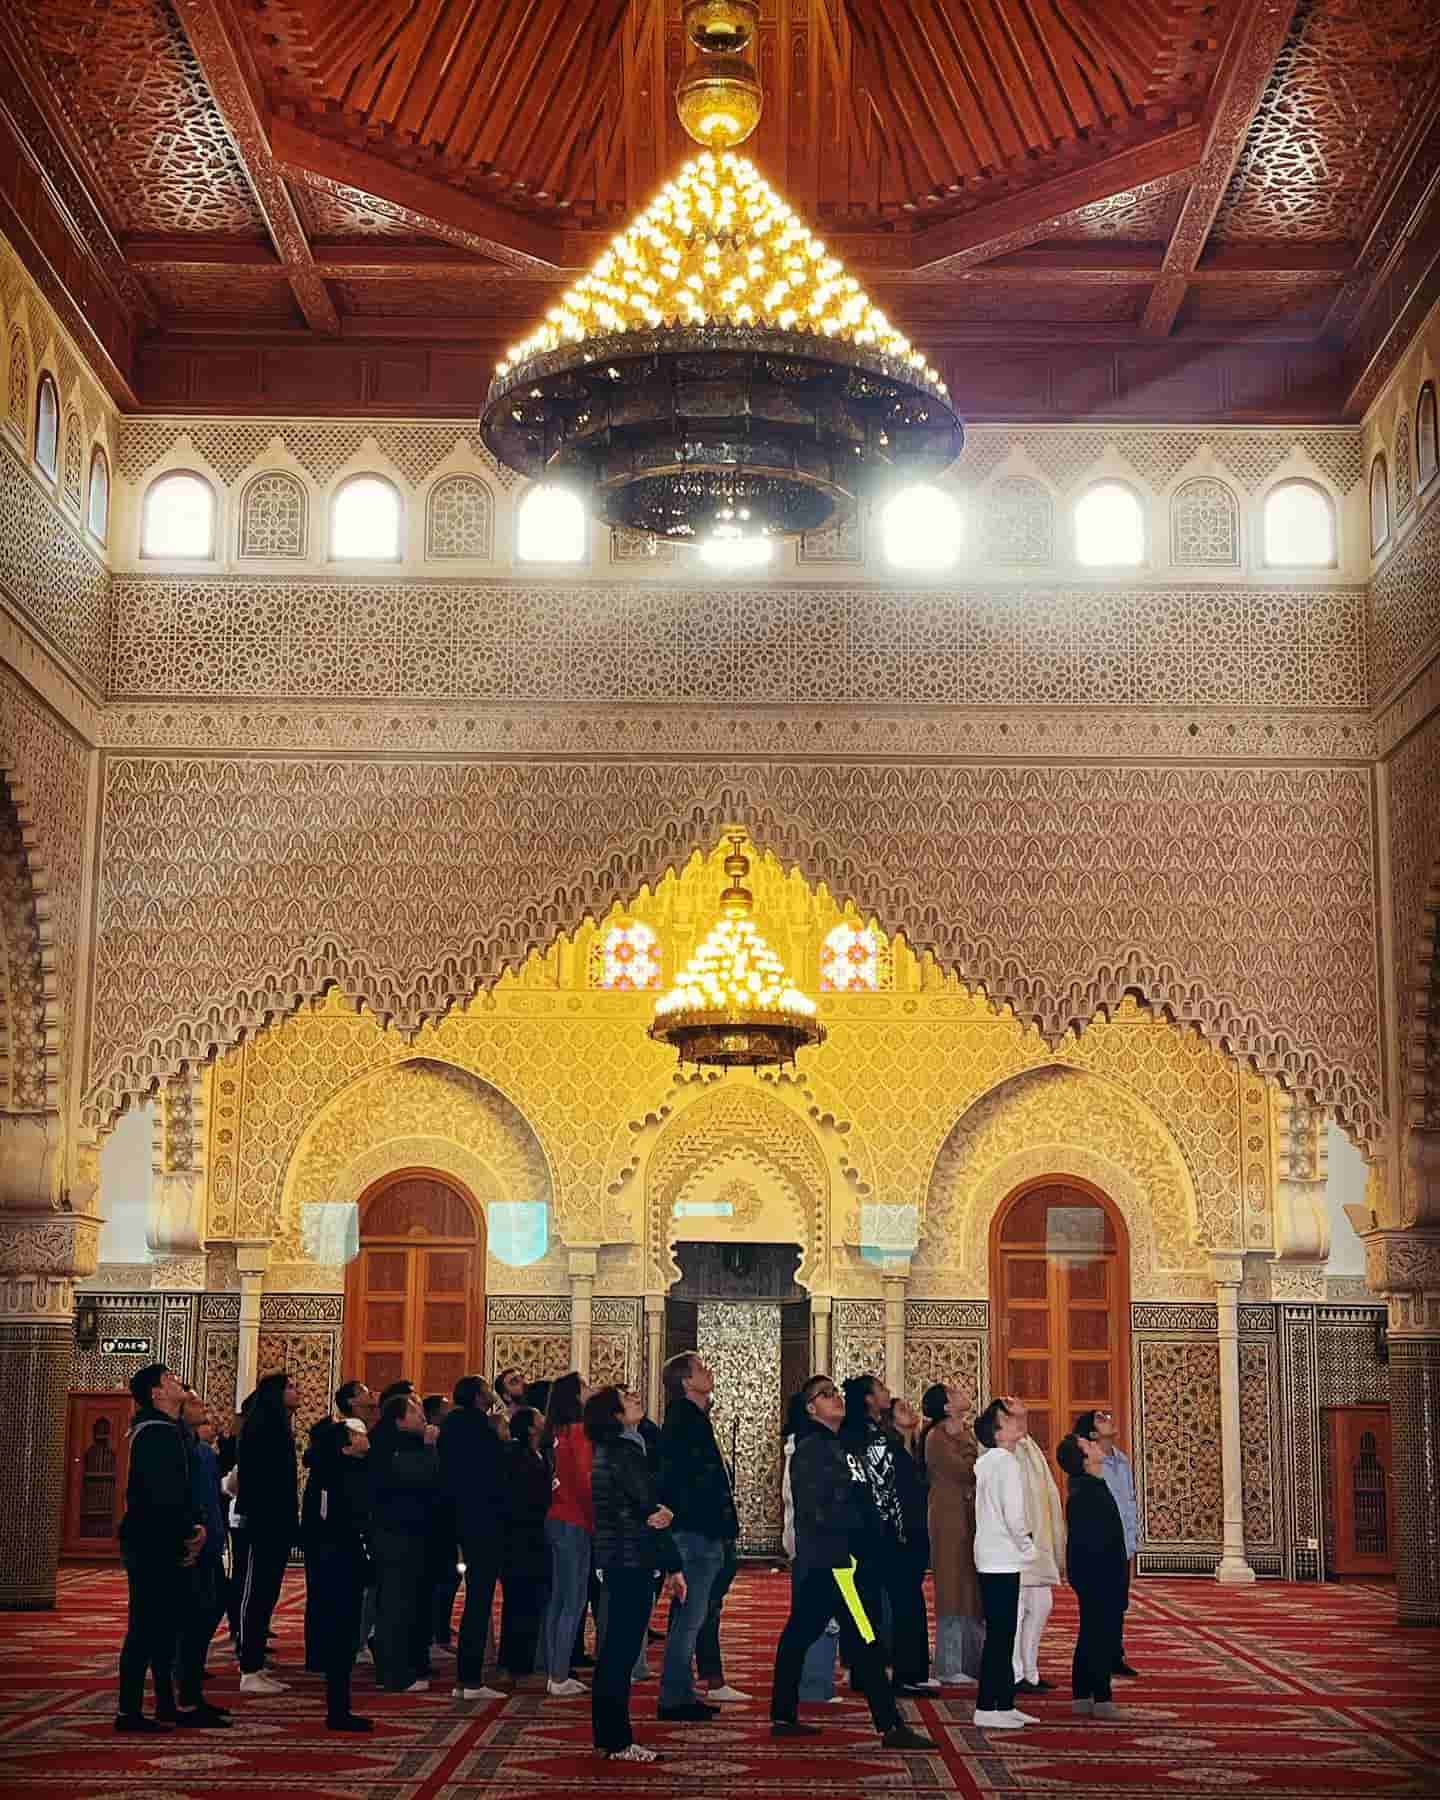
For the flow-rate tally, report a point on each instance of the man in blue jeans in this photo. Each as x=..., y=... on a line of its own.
x=693, y=1483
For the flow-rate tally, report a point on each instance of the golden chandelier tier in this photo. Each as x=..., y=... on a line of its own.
x=718, y=373
x=733, y=1005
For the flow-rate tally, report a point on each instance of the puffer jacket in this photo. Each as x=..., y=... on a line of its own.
x=624, y=1498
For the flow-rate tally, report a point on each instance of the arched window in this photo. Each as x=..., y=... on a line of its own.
x=17, y=399
x=922, y=528
x=1204, y=525
x=97, y=507
x=625, y=957
x=1379, y=503
x=1299, y=527
x=459, y=520
x=1018, y=521
x=855, y=959
x=1427, y=438
x=47, y=426
x=365, y=520
x=178, y=517
x=1109, y=527
x=551, y=526
x=74, y=477
x=1404, y=479
x=274, y=516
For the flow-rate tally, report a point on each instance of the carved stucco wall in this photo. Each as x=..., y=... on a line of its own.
x=1241, y=899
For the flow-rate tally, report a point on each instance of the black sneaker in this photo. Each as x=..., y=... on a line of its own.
x=203, y=1718
x=694, y=1711
x=1035, y=1687
x=905, y=1737
x=139, y=1723
x=1123, y=1668
x=349, y=1722
x=783, y=1728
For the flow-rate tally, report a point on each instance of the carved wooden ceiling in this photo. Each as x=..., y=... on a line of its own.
x=360, y=202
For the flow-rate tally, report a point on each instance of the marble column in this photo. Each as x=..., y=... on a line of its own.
x=822, y=1307
x=252, y=1258
x=654, y=1351
x=1405, y=1267
x=894, y=1290
x=41, y=1258
x=1227, y=1272
x=582, y=1290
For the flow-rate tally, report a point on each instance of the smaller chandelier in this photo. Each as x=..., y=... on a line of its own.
x=733, y=1005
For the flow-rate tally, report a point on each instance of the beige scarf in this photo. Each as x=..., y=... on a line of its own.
x=1045, y=1516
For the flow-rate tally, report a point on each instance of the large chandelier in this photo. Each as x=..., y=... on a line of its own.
x=717, y=374
x=733, y=1005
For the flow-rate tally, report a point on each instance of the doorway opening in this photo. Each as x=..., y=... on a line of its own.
x=1060, y=1277
x=741, y=1307
x=415, y=1293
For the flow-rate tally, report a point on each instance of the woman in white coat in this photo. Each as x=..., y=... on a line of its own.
x=1045, y=1514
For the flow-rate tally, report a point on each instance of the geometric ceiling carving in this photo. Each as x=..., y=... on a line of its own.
x=425, y=174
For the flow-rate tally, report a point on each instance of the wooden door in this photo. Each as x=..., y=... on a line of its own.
x=1358, y=1477
x=1060, y=1277
x=97, y=1462
x=415, y=1294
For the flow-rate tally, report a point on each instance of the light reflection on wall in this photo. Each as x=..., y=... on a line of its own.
x=331, y=1230
x=519, y=1231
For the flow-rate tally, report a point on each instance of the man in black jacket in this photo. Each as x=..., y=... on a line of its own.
x=334, y=1521
x=267, y=1500
x=471, y=1463
x=160, y=1537
x=404, y=1488
x=694, y=1485
x=1098, y=1568
x=835, y=1517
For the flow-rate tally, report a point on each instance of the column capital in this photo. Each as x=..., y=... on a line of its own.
x=252, y=1257
x=583, y=1264
x=822, y=1304
x=1227, y=1268
x=42, y=1256
x=654, y=1306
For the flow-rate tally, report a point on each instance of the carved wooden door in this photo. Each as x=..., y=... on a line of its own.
x=1359, y=1472
x=415, y=1294
x=1060, y=1283
x=97, y=1462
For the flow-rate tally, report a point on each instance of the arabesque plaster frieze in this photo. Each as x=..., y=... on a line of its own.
x=1249, y=916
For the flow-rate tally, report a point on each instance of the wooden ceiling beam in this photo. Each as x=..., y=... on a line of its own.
x=519, y=242
x=1396, y=309
x=1255, y=40
x=235, y=89
x=1045, y=211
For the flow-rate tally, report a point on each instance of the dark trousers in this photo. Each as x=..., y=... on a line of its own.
x=630, y=1594
x=1102, y=1615
x=442, y=1604
x=1000, y=1597
x=893, y=1575
x=201, y=1609
x=264, y=1574
x=1124, y=1607
x=523, y=1607
x=235, y=1586
x=335, y=1574
x=816, y=1597
x=481, y=1573
x=151, y=1630
x=402, y=1608
x=709, y=1664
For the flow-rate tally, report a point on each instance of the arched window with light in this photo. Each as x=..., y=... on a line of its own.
x=97, y=502
x=855, y=959
x=1427, y=438
x=178, y=518
x=47, y=427
x=922, y=528
x=1298, y=527
x=625, y=958
x=1379, y=504
x=365, y=520
x=551, y=526
x=1109, y=527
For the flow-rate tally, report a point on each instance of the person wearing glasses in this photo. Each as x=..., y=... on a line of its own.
x=1119, y=1477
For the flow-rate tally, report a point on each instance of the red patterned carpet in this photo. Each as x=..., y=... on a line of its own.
x=1272, y=1691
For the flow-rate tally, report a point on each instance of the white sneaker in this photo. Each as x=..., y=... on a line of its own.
x=637, y=1753
x=476, y=1693
x=564, y=1690
x=261, y=1683
x=727, y=1693
x=958, y=1681
x=999, y=1721
x=929, y=1683
x=1024, y=1717
x=422, y=1686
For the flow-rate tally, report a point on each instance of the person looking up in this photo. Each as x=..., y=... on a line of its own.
x=948, y=1450
x=1120, y=1479
x=267, y=1499
x=568, y=1528
x=404, y=1488
x=472, y=1460
x=1099, y=1571
x=1003, y=1547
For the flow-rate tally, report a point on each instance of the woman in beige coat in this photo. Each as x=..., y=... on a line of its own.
x=948, y=1448
x=1045, y=1516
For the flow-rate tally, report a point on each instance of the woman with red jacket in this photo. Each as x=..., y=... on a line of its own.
x=569, y=1526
